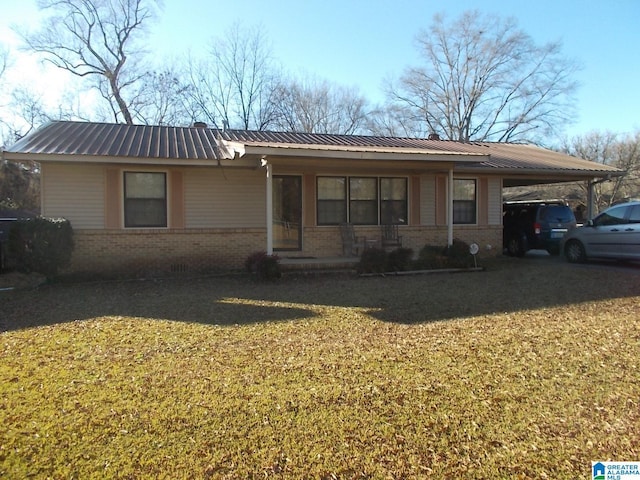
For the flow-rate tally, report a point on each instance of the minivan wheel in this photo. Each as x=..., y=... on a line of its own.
x=515, y=247
x=574, y=251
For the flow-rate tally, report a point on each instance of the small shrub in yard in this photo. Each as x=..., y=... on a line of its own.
x=399, y=260
x=42, y=245
x=373, y=260
x=431, y=257
x=263, y=266
x=458, y=255
x=453, y=256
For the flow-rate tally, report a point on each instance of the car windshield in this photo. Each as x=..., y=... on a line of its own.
x=556, y=213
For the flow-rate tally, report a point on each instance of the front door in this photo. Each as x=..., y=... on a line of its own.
x=287, y=212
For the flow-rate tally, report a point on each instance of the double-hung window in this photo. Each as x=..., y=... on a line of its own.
x=361, y=200
x=332, y=200
x=464, y=201
x=393, y=201
x=145, y=199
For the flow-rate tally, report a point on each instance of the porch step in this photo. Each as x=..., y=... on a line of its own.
x=291, y=264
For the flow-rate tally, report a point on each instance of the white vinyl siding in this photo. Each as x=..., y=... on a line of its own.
x=74, y=192
x=494, y=201
x=427, y=200
x=225, y=198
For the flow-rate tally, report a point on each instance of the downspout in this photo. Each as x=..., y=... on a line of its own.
x=269, y=203
x=450, y=209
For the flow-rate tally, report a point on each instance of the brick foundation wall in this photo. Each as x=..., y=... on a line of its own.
x=153, y=252
x=148, y=252
x=326, y=241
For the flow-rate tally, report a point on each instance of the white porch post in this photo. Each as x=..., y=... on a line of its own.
x=269, y=203
x=450, y=209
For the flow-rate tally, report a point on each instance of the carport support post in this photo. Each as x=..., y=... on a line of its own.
x=590, y=199
x=269, y=203
x=450, y=210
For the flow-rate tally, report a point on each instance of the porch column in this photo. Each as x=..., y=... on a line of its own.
x=269, y=203
x=450, y=209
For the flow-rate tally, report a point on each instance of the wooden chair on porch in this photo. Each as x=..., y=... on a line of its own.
x=390, y=237
x=351, y=243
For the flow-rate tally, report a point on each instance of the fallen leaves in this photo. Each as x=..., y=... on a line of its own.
x=321, y=379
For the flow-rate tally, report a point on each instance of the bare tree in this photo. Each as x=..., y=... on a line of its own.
x=392, y=120
x=484, y=79
x=20, y=185
x=607, y=148
x=163, y=99
x=234, y=84
x=314, y=105
x=28, y=110
x=4, y=60
x=96, y=39
x=20, y=181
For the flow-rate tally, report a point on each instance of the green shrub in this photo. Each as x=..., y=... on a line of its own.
x=453, y=256
x=42, y=245
x=399, y=260
x=431, y=257
x=263, y=266
x=373, y=260
x=458, y=255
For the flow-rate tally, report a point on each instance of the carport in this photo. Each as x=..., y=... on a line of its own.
x=527, y=165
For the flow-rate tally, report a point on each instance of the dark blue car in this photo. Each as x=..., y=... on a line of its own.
x=536, y=225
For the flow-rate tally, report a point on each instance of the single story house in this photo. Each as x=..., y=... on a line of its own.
x=157, y=198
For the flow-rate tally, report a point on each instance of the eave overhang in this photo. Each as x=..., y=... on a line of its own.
x=160, y=162
x=557, y=174
x=265, y=150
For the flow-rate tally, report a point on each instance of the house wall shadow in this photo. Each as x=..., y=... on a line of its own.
x=412, y=299
x=204, y=301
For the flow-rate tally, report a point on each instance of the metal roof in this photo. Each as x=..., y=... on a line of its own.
x=182, y=144
x=119, y=140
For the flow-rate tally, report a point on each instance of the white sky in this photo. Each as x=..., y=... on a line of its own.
x=360, y=42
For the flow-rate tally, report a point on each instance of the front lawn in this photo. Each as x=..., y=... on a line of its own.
x=528, y=370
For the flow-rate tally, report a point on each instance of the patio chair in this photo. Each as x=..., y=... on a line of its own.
x=390, y=237
x=351, y=244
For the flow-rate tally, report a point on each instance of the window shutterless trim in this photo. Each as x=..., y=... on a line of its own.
x=399, y=206
x=163, y=211
x=474, y=201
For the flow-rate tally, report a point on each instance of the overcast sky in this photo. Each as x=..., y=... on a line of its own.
x=360, y=42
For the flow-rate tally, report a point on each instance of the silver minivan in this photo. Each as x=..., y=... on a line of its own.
x=614, y=233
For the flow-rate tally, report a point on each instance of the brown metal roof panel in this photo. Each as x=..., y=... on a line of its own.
x=177, y=140
x=199, y=141
x=119, y=140
x=189, y=146
x=67, y=139
x=43, y=139
x=180, y=143
x=209, y=142
x=107, y=140
x=254, y=137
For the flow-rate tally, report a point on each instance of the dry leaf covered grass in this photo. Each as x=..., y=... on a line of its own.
x=528, y=370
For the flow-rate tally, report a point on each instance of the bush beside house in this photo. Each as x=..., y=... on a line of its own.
x=430, y=257
x=42, y=245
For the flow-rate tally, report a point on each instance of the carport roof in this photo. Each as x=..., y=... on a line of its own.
x=75, y=141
